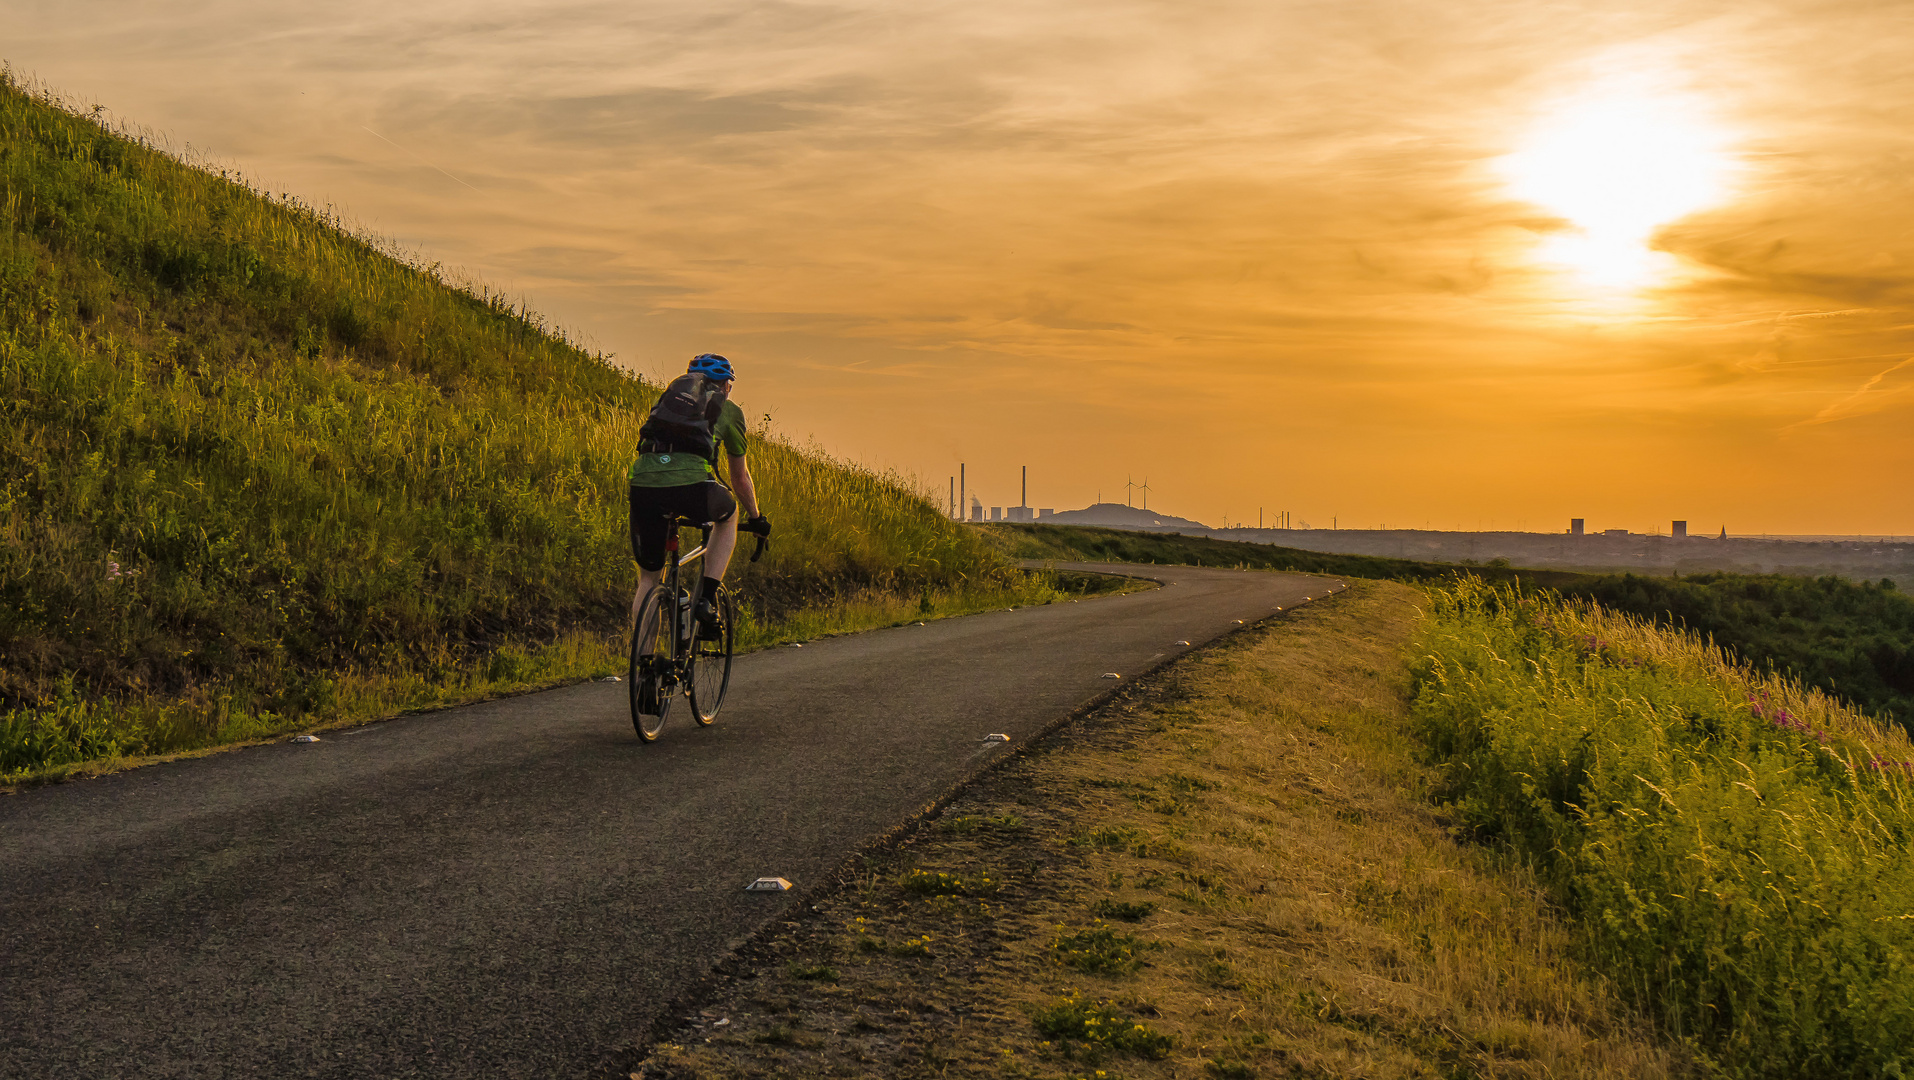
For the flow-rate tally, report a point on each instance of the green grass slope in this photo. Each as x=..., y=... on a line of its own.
x=256, y=472
x=1735, y=845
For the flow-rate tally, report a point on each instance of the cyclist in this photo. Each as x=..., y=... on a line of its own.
x=676, y=476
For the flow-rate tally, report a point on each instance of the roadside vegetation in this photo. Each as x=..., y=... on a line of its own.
x=1734, y=845
x=260, y=473
x=1085, y=543
x=1233, y=870
x=1852, y=639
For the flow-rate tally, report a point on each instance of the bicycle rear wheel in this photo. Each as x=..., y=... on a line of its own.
x=711, y=662
x=649, y=676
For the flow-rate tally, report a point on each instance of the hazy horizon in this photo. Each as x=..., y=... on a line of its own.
x=1592, y=530
x=1430, y=265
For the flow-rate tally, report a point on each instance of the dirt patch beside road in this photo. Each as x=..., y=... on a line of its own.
x=1230, y=870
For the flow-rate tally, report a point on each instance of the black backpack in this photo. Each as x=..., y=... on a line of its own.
x=684, y=419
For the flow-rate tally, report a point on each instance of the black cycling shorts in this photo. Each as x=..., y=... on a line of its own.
x=652, y=509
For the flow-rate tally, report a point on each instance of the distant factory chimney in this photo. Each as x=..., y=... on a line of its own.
x=1679, y=530
x=1575, y=526
x=1724, y=532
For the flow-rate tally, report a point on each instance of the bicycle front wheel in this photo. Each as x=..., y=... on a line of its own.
x=711, y=662
x=649, y=676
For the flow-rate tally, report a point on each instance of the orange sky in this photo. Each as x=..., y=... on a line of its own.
x=1396, y=262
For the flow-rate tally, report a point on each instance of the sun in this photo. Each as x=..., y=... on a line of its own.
x=1618, y=162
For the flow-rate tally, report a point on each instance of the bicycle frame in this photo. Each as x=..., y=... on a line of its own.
x=684, y=660
x=681, y=603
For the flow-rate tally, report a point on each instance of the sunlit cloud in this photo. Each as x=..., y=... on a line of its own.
x=1617, y=160
x=1398, y=258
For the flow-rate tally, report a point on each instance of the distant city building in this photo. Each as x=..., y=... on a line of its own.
x=996, y=513
x=1614, y=532
x=1679, y=530
x=1045, y=512
x=1017, y=513
x=976, y=508
x=1575, y=526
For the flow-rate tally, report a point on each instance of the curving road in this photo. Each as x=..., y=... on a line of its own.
x=514, y=889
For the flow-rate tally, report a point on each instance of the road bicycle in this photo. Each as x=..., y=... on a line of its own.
x=670, y=656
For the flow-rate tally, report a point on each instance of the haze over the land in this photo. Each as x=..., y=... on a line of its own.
x=1407, y=262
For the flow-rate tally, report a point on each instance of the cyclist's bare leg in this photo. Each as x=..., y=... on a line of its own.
x=724, y=540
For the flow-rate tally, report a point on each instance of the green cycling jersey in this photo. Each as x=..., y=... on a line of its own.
x=676, y=470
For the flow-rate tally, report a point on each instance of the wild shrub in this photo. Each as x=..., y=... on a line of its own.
x=1736, y=845
x=1104, y=837
x=1100, y=950
x=1099, y=1024
x=967, y=824
x=1127, y=910
x=938, y=883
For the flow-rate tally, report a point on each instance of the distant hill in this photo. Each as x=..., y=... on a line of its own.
x=1118, y=516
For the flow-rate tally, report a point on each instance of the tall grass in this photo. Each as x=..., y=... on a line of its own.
x=1736, y=844
x=1853, y=639
x=257, y=471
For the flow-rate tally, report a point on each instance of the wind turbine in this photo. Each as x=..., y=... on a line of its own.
x=1129, y=488
x=1145, y=489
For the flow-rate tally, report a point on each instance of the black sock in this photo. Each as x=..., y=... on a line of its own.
x=710, y=589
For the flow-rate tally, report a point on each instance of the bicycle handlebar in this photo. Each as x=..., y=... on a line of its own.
x=762, y=529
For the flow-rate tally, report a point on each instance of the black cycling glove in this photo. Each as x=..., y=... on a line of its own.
x=760, y=525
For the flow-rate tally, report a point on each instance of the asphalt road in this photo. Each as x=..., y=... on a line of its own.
x=514, y=889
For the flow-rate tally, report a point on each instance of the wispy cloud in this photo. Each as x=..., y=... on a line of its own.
x=1874, y=395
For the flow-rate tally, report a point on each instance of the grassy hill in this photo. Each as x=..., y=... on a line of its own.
x=256, y=472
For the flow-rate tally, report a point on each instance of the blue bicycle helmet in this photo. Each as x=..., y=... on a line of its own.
x=712, y=366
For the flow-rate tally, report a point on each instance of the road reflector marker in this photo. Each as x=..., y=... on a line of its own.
x=996, y=737
x=1111, y=675
x=305, y=738
x=769, y=884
